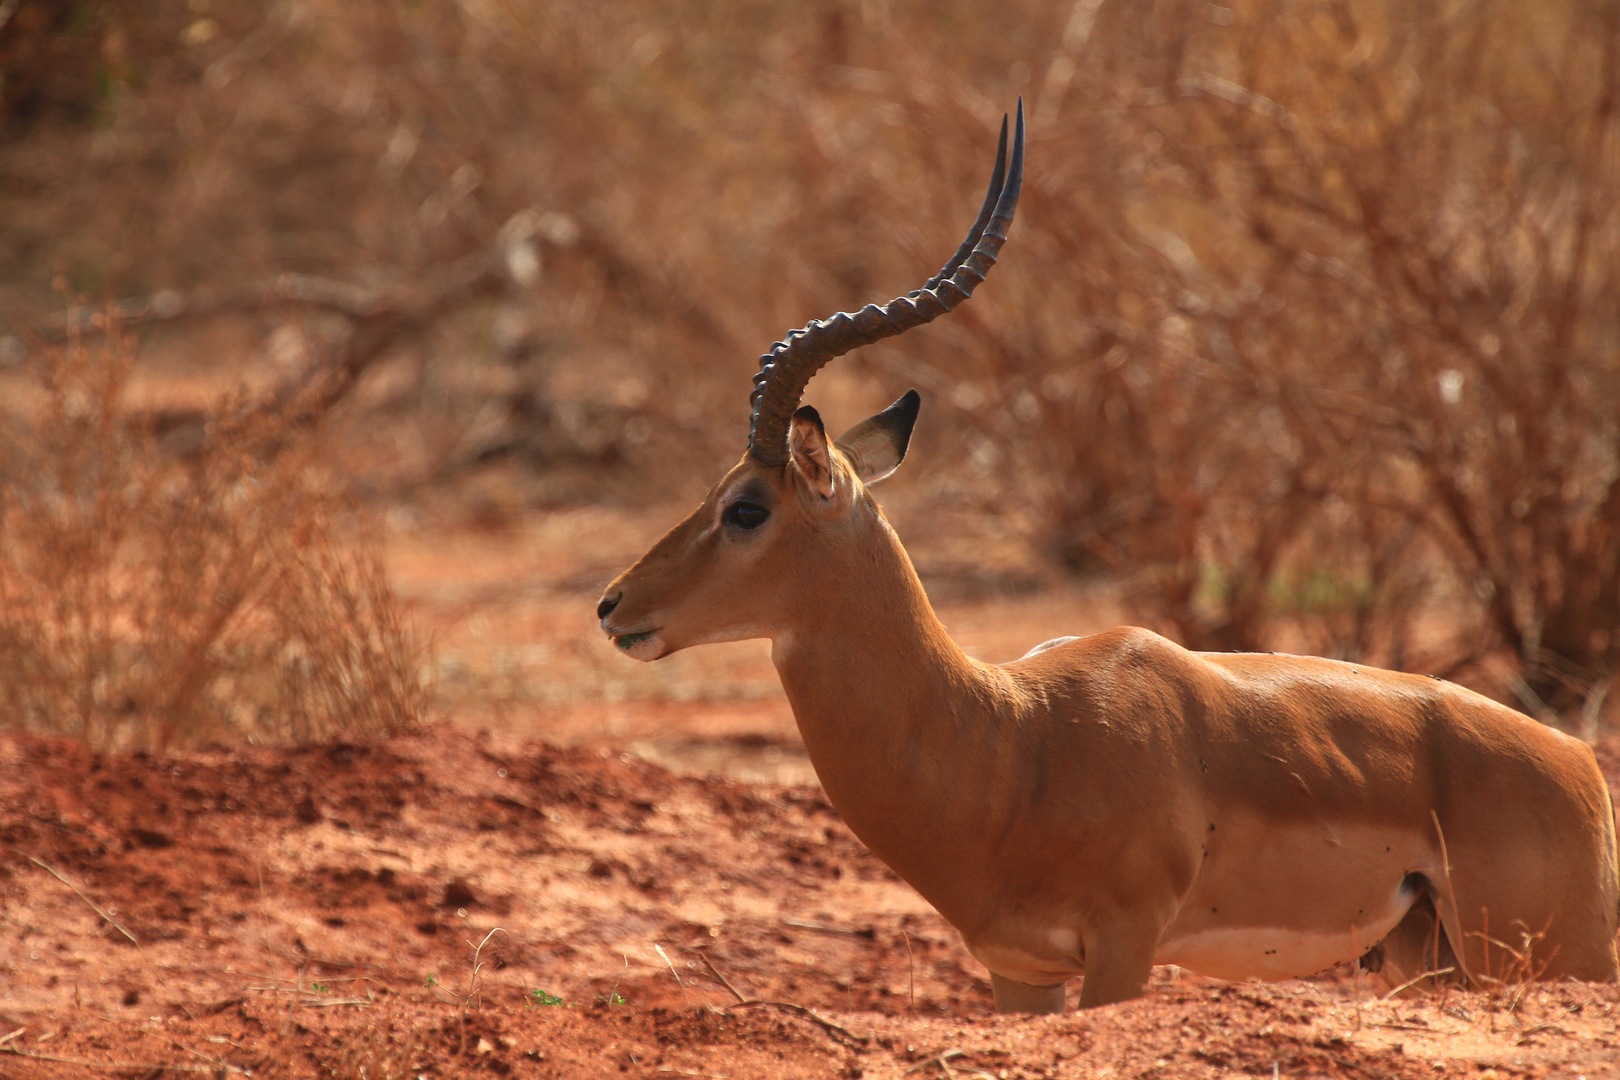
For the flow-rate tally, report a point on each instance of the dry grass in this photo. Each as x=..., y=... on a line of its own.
x=1306, y=329
x=386, y=1049
x=149, y=601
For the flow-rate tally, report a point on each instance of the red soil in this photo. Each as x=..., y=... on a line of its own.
x=315, y=912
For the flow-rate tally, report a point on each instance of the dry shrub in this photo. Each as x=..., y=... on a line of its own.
x=1146, y=443
x=1401, y=228
x=1306, y=332
x=148, y=601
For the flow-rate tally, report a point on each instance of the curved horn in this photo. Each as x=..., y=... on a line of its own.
x=785, y=371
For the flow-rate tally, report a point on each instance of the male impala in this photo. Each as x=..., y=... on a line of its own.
x=1115, y=801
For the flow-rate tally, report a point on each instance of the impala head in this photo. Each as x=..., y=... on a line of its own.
x=779, y=525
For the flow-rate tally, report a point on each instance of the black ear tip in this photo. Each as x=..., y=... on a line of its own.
x=808, y=412
x=901, y=417
x=906, y=407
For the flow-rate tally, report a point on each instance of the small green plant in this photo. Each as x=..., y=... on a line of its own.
x=321, y=988
x=612, y=996
x=432, y=981
x=540, y=997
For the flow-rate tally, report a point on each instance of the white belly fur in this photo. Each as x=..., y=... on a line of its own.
x=1267, y=953
x=1275, y=903
x=1269, y=903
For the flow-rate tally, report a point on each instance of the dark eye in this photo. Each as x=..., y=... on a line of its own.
x=746, y=515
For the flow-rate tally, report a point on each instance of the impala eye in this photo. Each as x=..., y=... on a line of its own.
x=745, y=515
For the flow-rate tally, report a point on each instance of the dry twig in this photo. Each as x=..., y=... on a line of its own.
x=77, y=892
x=148, y=1068
x=911, y=976
x=673, y=972
x=723, y=980
x=938, y=1059
x=836, y=1030
x=1409, y=983
x=824, y=928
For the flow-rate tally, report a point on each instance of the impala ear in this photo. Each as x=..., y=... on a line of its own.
x=876, y=446
x=808, y=452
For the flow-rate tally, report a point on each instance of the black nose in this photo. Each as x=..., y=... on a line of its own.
x=605, y=606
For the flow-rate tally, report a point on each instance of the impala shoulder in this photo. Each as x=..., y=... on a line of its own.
x=1121, y=645
x=1136, y=645
x=1110, y=662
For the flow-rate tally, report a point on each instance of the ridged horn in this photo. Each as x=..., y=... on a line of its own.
x=785, y=371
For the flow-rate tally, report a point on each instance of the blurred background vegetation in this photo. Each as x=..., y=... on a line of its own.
x=1306, y=337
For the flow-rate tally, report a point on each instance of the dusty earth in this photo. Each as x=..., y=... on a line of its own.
x=319, y=911
x=557, y=882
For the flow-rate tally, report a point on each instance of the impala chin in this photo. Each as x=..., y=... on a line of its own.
x=644, y=645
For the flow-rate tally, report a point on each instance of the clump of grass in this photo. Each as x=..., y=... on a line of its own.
x=155, y=601
x=381, y=1051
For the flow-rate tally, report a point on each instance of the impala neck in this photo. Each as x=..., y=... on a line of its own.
x=904, y=730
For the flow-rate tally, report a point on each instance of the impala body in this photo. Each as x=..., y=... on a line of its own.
x=1115, y=801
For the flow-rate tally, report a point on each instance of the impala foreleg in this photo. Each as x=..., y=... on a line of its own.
x=1118, y=962
x=1013, y=996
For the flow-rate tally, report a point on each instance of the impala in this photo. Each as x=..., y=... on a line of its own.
x=1111, y=802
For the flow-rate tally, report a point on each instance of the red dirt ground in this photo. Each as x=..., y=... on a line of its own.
x=315, y=911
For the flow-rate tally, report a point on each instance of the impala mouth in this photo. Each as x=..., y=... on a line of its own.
x=640, y=644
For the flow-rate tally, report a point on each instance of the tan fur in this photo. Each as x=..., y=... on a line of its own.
x=1116, y=798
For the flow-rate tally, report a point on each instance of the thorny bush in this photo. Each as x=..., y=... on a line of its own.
x=153, y=600
x=1305, y=335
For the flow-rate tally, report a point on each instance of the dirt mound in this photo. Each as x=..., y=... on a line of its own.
x=319, y=911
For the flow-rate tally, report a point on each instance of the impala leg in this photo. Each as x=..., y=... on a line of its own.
x=1016, y=997
x=1417, y=945
x=1118, y=964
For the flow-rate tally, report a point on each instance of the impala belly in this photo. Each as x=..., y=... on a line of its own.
x=1276, y=902
x=1267, y=953
x=1269, y=902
